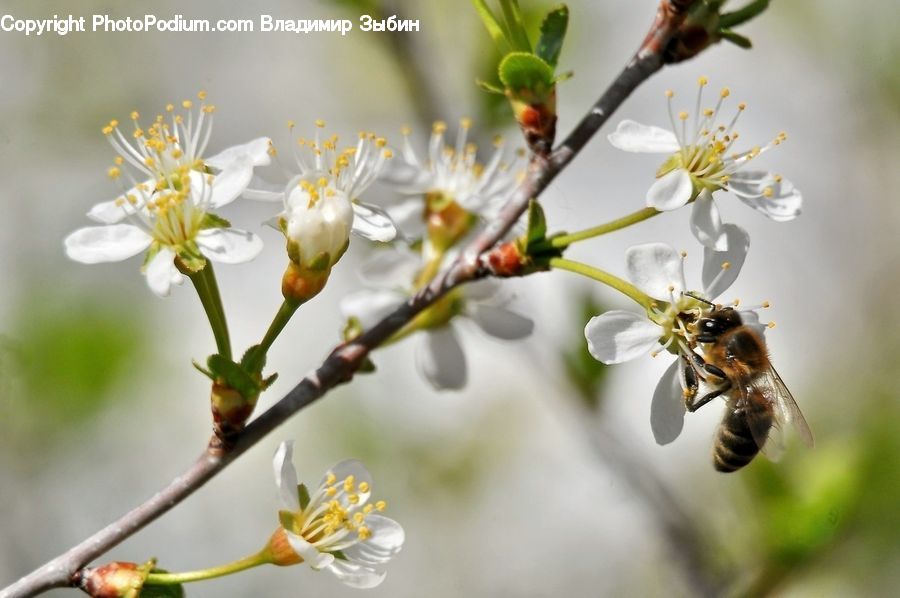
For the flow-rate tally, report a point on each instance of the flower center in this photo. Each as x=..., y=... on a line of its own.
x=337, y=512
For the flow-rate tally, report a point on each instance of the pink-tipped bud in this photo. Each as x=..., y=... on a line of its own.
x=114, y=580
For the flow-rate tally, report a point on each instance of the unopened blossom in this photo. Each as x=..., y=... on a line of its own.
x=657, y=270
x=169, y=193
x=321, y=202
x=448, y=187
x=702, y=162
x=394, y=276
x=335, y=525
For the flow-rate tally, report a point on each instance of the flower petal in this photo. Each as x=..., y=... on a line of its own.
x=386, y=540
x=372, y=223
x=310, y=555
x=716, y=276
x=286, y=476
x=111, y=212
x=671, y=191
x=260, y=189
x=667, y=408
x=356, y=576
x=784, y=203
x=617, y=336
x=391, y=268
x=161, y=272
x=406, y=178
x=654, y=268
x=255, y=153
x=229, y=245
x=354, y=468
x=706, y=224
x=632, y=136
x=441, y=360
x=370, y=306
x=113, y=243
x=501, y=322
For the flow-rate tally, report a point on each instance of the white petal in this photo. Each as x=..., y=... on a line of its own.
x=161, y=272
x=617, y=336
x=391, y=268
x=113, y=243
x=409, y=217
x=406, y=178
x=481, y=290
x=654, y=268
x=717, y=279
x=785, y=202
x=355, y=468
x=370, y=306
x=751, y=319
x=667, y=408
x=441, y=360
x=286, y=476
x=262, y=190
x=372, y=223
x=111, y=212
x=255, y=152
x=501, y=322
x=356, y=576
x=229, y=245
x=386, y=541
x=229, y=184
x=632, y=136
x=671, y=191
x=706, y=224
x=310, y=555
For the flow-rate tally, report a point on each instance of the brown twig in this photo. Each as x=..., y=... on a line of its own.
x=343, y=362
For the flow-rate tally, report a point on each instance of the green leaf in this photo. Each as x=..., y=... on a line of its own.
x=233, y=376
x=303, y=495
x=167, y=591
x=515, y=23
x=492, y=24
x=553, y=33
x=254, y=360
x=213, y=221
x=523, y=71
x=537, y=225
x=203, y=370
x=751, y=10
x=488, y=87
x=736, y=38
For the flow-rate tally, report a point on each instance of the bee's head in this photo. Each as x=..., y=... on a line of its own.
x=716, y=323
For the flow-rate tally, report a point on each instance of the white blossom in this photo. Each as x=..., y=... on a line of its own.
x=657, y=270
x=439, y=354
x=167, y=207
x=335, y=526
x=702, y=162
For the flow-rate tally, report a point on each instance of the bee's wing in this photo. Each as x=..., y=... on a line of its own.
x=786, y=409
x=756, y=401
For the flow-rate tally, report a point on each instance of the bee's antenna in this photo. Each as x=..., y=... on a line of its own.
x=698, y=298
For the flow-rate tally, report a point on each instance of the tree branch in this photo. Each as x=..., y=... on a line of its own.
x=346, y=359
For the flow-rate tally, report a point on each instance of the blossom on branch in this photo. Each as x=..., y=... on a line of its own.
x=333, y=526
x=702, y=162
x=167, y=207
x=395, y=275
x=658, y=270
x=444, y=194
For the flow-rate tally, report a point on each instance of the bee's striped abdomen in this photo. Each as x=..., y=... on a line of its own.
x=734, y=446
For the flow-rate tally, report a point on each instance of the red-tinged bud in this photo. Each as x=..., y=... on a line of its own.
x=300, y=284
x=114, y=580
x=507, y=260
x=537, y=118
x=280, y=550
x=230, y=410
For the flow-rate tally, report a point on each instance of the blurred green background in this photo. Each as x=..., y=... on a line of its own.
x=542, y=478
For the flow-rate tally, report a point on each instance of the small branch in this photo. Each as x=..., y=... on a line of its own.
x=343, y=362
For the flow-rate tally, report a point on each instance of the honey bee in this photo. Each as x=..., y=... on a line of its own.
x=759, y=405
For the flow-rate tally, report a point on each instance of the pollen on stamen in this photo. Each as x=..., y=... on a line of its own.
x=465, y=123
x=683, y=115
x=726, y=265
x=766, y=304
x=702, y=81
x=771, y=324
x=768, y=192
x=320, y=123
x=725, y=92
x=380, y=505
x=670, y=94
x=201, y=95
x=406, y=130
x=135, y=115
x=187, y=104
x=742, y=106
x=439, y=127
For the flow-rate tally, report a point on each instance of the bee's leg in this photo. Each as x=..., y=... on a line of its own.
x=694, y=405
x=690, y=380
x=708, y=367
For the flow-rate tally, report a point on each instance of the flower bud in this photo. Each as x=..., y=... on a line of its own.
x=230, y=409
x=317, y=223
x=536, y=115
x=280, y=549
x=113, y=580
x=299, y=284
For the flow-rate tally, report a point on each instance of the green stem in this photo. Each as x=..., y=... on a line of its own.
x=164, y=579
x=624, y=287
x=208, y=291
x=742, y=15
x=563, y=241
x=285, y=312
